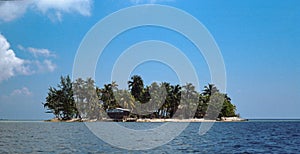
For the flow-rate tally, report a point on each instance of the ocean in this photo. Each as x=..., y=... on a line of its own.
x=254, y=136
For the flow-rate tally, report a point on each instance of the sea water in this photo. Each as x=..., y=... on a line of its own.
x=254, y=136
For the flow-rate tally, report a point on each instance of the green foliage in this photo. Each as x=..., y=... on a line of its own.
x=157, y=100
x=60, y=101
x=125, y=99
x=228, y=109
x=86, y=98
x=107, y=96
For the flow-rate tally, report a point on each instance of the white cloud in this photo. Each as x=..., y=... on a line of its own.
x=40, y=52
x=10, y=10
x=44, y=66
x=23, y=91
x=82, y=7
x=48, y=65
x=40, y=66
x=10, y=65
x=37, y=52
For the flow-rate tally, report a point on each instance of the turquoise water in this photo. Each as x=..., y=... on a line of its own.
x=255, y=136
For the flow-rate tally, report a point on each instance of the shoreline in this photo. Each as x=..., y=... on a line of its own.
x=223, y=119
x=166, y=120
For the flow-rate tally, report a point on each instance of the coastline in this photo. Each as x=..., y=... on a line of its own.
x=223, y=119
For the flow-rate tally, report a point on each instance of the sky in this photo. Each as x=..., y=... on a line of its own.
x=259, y=42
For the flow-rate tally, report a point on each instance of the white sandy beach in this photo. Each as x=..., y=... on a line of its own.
x=223, y=119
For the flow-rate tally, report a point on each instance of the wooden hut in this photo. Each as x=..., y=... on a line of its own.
x=118, y=114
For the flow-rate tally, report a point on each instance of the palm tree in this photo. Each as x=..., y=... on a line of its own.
x=205, y=98
x=136, y=87
x=189, y=101
x=114, y=86
x=107, y=96
x=209, y=90
x=165, y=100
x=202, y=106
x=175, y=99
x=157, y=98
x=125, y=99
x=163, y=110
x=92, y=100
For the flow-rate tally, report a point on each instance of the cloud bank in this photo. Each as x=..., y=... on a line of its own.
x=11, y=65
x=11, y=10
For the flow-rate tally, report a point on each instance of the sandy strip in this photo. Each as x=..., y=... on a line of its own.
x=223, y=119
x=174, y=120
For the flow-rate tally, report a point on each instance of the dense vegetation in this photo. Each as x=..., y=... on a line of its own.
x=60, y=101
x=82, y=99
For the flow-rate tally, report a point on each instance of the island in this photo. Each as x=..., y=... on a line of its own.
x=83, y=101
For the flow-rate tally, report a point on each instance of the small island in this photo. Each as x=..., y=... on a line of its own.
x=83, y=101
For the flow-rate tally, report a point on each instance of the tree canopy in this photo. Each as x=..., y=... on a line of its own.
x=82, y=98
x=60, y=100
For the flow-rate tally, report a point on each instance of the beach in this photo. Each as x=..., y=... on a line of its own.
x=223, y=119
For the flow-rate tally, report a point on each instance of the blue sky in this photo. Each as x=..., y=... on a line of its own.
x=259, y=41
